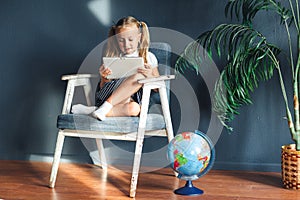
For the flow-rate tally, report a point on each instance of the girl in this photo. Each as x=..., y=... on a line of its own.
x=122, y=97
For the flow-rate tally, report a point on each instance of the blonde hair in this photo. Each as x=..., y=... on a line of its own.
x=113, y=49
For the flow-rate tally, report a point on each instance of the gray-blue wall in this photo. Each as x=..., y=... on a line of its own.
x=41, y=40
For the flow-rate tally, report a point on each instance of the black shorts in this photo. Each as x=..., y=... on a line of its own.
x=106, y=91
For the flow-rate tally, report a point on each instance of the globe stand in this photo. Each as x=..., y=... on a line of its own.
x=188, y=189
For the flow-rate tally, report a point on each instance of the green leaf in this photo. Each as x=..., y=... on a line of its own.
x=249, y=56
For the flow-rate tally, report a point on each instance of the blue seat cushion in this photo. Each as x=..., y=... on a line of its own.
x=111, y=124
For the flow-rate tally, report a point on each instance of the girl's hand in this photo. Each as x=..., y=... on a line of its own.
x=146, y=71
x=104, y=71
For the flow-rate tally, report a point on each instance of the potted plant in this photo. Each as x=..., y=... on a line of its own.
x=251, y=58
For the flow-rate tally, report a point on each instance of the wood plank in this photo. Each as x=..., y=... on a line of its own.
x=29, y=180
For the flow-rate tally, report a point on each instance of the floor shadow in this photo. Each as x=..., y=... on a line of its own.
x=150, y=180
x=267, y=178
x=29, y=180
x=119, y=179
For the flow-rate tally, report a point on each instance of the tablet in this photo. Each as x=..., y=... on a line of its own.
x=122, y=66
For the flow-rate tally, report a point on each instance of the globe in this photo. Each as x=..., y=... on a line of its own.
x=191, y=155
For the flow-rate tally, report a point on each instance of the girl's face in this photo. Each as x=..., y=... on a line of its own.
x=128, y=38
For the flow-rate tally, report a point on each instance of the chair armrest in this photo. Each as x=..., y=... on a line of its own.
x=78, y=76
x=75, y=80
x=155, y=79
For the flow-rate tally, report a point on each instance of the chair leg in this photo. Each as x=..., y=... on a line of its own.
x=56, y=159
x=102, y=156
x=136, y=163
x=139, y=140
x=167, y=115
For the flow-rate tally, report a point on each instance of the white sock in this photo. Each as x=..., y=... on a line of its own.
x=82, y=109
x=102, y=111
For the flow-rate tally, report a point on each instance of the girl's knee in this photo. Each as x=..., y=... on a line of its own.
x=136, y=77
x=133, y=109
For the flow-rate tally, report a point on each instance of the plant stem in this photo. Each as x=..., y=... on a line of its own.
x=290, y=48
x=296, y=135
x=295, y=81
x=296, y=20
x=296, y=106
x=296, y=138
x=288, y=112
x=283, y=90
x=298, y=15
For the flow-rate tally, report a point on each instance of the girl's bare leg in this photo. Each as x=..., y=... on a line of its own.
x=126, y=89
x=128, y=109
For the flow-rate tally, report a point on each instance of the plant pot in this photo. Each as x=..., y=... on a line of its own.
x=290, y=165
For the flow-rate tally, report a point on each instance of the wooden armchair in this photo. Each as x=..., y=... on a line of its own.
x=129, y=128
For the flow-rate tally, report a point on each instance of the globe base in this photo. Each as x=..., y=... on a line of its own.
x=188, y=190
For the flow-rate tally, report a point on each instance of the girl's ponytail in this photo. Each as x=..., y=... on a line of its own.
x=112, y=46
x=145, y=40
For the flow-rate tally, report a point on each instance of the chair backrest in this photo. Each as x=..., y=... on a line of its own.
x=162, y=51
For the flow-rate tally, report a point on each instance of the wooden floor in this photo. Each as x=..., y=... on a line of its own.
x=29, y=180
